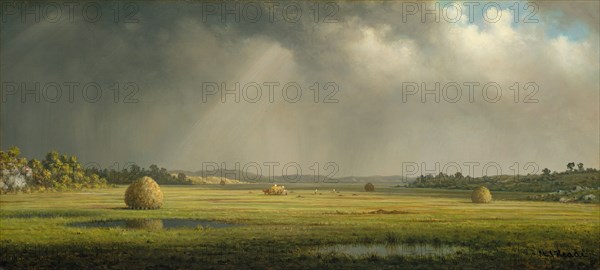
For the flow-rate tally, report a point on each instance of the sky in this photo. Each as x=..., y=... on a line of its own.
x=528, y=74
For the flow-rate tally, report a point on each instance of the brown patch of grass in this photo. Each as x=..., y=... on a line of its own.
x=3, y=202
x=389, y=212
x=430, y=220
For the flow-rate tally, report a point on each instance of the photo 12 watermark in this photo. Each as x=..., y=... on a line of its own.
x=270, y=92
x=468, y=169
x=69, y=11
x=471, y=11
x=270, y=12
x=70, y=91
x=271, y=171
x=455, y=92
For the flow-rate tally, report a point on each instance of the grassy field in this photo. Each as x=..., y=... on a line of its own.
x=281, y=232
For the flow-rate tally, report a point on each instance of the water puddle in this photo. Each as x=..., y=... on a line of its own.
x=386, y=250
x=152, y=224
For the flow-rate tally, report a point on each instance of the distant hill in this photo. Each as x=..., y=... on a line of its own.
x=247, y=176
x=393, y=179
x=218, y=174
x=307, y=178
x=213, y=180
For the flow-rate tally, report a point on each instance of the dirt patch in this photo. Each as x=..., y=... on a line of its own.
x=100, y=206
x=388, y=212
x=3, y=202
x=431, y=220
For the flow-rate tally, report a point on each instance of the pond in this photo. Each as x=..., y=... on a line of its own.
x=386, y=250
x=152, y=224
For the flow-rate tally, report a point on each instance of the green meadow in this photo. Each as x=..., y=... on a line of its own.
x=285, y=232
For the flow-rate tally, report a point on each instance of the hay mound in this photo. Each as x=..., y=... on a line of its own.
x=275, y=190
x=481, y=195
x=144, y=193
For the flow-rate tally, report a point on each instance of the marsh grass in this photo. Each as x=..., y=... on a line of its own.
x=280, y=229
x=391, y=238
x=37, y=213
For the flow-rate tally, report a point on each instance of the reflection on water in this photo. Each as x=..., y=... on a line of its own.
x=147, y=224
x=151, y=224
x=385, y=250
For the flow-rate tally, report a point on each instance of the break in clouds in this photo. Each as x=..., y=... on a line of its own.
x=370, y=51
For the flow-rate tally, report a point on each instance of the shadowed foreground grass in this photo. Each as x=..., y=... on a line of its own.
x=281, y=232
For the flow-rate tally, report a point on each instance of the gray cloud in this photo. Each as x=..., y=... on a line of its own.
x=369, y=53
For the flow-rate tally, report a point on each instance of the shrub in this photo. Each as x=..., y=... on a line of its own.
x=392, y=238
x=144, y=193
x=481, y=195
x=369, y=187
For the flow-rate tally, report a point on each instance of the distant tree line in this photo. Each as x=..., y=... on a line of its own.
x=545, y=182
x=133, y=172
x=55, y=172
x=62, y=172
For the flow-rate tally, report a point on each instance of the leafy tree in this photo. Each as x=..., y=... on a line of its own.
x=135, y=169
x=36, y=170
x=14, y=152
x=181, y=177
x=369, y=187
x=4, y=160
x=51, y=157
x=154, y=169
x=546, y=171
x=580, y=166
x=570, y=166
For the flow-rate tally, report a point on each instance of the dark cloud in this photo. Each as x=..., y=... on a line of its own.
x=369, y=52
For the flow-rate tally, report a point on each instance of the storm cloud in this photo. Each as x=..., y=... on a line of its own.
x=368, y=51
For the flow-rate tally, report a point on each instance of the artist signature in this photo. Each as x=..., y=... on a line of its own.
x=561, y=253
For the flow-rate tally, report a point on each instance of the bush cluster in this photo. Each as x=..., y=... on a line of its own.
x=55, y=172
x=369, y=187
